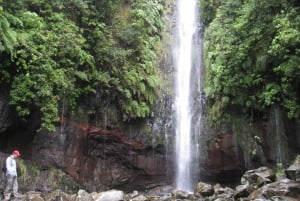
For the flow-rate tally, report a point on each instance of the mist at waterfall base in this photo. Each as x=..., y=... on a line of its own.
x=187, y=60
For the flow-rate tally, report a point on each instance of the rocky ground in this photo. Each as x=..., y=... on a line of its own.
x=261, y=184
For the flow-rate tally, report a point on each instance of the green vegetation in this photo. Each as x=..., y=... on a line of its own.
x=29, y=173
x=252, y=57
x=65, y=50
x=70, y=50
x=279, y=171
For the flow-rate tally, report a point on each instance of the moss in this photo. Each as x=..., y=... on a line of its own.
x=68, y=185
x=60, y=180
x=55, y=176
x=30, y=176
x=146, y=130
x=23, y=173
x=297, y=160
x=279, y=171
x=157, y=139
x=28, y=173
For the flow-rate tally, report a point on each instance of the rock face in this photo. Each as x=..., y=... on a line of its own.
x=102, y=159
x=97, y=149
x=106, y=155
x=242, y=145
x=5, y=118
x=223, y=161
x=99, y=157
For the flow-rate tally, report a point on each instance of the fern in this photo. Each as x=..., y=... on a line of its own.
x=81, y=75
x=7, y=35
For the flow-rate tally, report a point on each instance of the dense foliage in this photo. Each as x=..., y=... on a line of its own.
x=252, y=56
x=59, y=50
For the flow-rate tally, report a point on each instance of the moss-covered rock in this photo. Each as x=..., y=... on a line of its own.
x=31, y=177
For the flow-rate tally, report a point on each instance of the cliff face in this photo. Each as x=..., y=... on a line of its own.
x=100, y=159
x=106, y=154
x=5, y=119
x=94, y=146
x=242, y=145
x=99, y=151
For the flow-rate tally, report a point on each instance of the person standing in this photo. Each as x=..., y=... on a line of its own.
x=11, y=176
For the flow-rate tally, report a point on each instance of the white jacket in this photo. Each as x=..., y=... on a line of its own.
x=11, y=166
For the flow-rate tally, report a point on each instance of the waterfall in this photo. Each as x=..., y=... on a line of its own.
x=277, y=137
x=187, y=60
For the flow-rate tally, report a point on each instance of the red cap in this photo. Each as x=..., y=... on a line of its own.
x=16, y=152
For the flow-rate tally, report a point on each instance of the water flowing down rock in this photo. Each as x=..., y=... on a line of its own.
x=186, y=84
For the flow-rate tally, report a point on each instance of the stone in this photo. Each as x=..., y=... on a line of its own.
x=82, y=195
x=203, y=189
x=140, y=198
x=258, y=177
x=179, y=194
x=293, y=171
x=111, y=195
x=242, y=191
x=223, y=193
x=34, y=196
x=254, y=179
x=283, y=188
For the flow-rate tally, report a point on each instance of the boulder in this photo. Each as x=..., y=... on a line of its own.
x=223, y=193
x=36, y=196
x=53, y=195
x=82, y=195
x=180, y=194
x=140, y=198
x=254, y=179
x=111, y=195
x=259, y=176
x=293, y=171
x=285, y=188
x=203, y=189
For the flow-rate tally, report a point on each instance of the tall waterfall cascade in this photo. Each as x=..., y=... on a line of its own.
x=187, y=60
